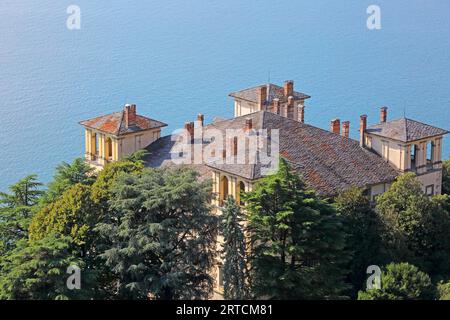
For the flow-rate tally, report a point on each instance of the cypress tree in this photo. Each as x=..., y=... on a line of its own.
x=234, y=252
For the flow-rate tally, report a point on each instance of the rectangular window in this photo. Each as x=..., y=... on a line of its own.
x=429, y=190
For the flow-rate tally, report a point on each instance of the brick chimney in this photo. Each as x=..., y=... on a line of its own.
x=290, y=107
x=262, y=98
x=301, y=114
x=288, y=88
x=129, y=114
x=276, y=106
x=248, y=125
x=201, y=119
x=189, y=127
x=362, y=129
x=346, y=129
x=383, y=114
x=335, y=126
x=233, y=142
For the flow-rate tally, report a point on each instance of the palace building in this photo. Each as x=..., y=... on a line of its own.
x=328, y=160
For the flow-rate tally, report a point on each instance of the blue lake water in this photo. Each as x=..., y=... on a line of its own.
x=175, y=59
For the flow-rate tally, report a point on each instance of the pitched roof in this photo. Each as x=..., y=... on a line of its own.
x=405, y=130
x=114, y=123
x=273, y=91
x=328, y=162
x=160, y=152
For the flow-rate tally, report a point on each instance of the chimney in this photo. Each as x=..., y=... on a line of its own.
x=248, y=125
x=288, y=88
x=301, y=114
x=130, y=114
x=189, y=127
x=336, y=126
x=383, y=114
x=276, y=106
x=290, y=107
x=362, y=129
x=200, y=118
x=262, y=97
x=346, y=129
x=233, y=142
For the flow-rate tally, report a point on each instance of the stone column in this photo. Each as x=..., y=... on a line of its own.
x=87, y=144
x=101, y=149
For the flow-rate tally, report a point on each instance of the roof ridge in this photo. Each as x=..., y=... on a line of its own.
x=120, y=125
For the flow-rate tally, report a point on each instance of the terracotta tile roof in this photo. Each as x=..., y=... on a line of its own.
x=405, y=130
x=114, y=124
x=159, y=155
x=273, y=91
x=328, y=162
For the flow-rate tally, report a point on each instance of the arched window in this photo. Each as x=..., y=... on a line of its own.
x=108, y=151
x=223, y=189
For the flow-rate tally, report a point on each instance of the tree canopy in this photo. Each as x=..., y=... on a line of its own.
x=161, y=235
x=234, y=252
x=297, y=239
x=415, y=227
x=401, y=281
x=363, y=227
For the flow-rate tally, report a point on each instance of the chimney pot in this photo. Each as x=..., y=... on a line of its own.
x=362, y=129
x=336, y=126
x=383, y=114
x=200, y=118
x=130, y=114
x=248, y=124
x=233, y=145
x=301, y=114
x=291, y=101
x=262, y=97
x=288, y=88
x=276, y=106
x=189, y=127
x=346, y=129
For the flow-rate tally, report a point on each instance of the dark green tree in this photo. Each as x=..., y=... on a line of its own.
x=38, y=271
x=16, y=210
x=444, y=290
x=415, y=227
x=234, y=252
x=101, y=189
x=297, y=240
x=66, y=176
x=161, y=235
x=74, y=214
x=446, y=176
x=362, y=225
x=401, y=281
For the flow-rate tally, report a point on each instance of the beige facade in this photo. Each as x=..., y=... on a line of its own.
x=102, y=148
x=423, y=157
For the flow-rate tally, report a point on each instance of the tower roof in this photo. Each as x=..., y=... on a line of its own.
x=405, y=130
x=273, y=92
x=116, y=123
